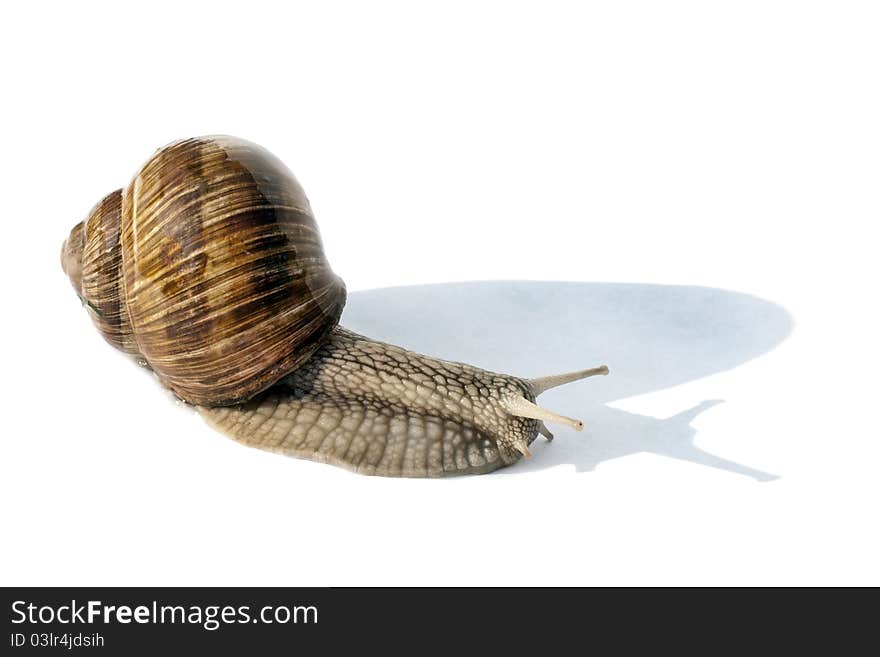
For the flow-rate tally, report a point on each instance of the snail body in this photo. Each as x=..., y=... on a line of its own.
x=209, y=268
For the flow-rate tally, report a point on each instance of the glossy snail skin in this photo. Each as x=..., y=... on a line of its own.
x=209, y=268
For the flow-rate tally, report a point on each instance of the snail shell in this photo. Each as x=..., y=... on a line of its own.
x=209, y=265
x=209, y=268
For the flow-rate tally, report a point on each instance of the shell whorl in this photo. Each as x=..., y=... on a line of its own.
x=210, y=266
x=92, y=258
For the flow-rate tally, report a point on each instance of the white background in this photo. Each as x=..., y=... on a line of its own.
x=733, y=146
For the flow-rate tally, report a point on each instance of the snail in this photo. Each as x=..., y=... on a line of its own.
x=209, y=269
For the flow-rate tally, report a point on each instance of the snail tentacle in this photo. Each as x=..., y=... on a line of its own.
x=522, y=407
x=545, y=383
x=544, y=431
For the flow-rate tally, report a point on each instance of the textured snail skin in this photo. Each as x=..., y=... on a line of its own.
x=208, y=267
x=379, y=409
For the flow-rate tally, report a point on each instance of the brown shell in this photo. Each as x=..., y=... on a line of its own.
x=102, y=273
x=92, y=258
x=225, y=282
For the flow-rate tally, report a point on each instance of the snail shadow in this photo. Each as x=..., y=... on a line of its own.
x=651, y=336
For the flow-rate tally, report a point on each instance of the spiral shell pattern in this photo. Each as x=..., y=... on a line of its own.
x=210, y=266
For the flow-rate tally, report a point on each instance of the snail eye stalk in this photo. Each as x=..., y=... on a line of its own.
x=545, y=383
x=524, y=408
